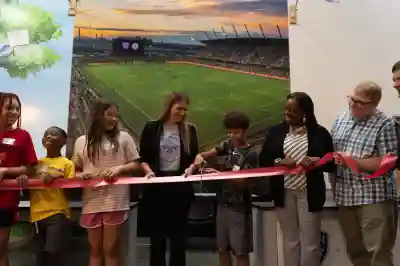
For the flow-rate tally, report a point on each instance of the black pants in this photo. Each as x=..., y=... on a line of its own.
x=163, y=215
x=177, y=244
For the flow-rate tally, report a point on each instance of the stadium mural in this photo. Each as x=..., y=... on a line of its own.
x=223, y=54
x=35, y=57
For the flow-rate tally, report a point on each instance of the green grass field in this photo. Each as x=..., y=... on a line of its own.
x=140, y=91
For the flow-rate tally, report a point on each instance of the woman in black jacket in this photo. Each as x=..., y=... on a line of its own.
x=299, y=199
x=167, y=147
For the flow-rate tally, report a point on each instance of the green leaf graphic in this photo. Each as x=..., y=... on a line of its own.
x=39, y=23
x=29, y=59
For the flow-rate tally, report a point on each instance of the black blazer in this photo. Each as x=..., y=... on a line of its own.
x=164, y=207
x=319, y=143
x=150, y=146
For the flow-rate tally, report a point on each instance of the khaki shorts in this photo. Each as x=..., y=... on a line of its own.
x=234, y=231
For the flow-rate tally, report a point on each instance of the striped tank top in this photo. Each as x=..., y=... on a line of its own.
x=295, y=147
x=108, y=198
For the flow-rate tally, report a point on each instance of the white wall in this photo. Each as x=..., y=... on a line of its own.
x=334, y=46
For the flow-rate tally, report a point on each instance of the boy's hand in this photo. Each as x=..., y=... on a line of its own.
x=22, y=180
x=49, y=177
x=198, y=161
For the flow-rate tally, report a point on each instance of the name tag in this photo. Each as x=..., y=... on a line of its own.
x=236, y=168
x=8, y=141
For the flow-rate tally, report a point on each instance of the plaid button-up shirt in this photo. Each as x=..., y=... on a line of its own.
x=372, y=137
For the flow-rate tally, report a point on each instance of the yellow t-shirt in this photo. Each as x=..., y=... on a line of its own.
x=47, y=202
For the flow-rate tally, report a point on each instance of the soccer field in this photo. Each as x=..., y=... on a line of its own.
x=140, y=90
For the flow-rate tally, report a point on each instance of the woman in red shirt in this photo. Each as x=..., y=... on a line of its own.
x=17, y=156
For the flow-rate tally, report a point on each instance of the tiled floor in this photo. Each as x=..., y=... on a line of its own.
x=199, y=254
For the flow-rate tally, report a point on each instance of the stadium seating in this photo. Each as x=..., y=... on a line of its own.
x=266, y=56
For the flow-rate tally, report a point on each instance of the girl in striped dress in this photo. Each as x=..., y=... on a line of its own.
x=105, y=152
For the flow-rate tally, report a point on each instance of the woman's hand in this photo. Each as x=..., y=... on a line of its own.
x=288, y=162
x=308, y=162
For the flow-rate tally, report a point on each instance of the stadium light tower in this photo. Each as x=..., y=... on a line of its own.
x=237, y=35
x=215, y=34
x=279, y=31
x=248, y=33
x=226, y=36
x=262, y=31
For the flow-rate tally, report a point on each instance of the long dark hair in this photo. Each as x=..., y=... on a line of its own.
x=173, y=98
x=6, y=98
x=97, y=131
x=307, y=106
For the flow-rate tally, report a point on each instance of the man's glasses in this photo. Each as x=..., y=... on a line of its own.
x=358, y=102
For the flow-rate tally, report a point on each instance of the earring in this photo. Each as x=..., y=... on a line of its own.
x=304, y=120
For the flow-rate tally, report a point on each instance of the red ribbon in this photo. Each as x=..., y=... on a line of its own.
x=387, y=163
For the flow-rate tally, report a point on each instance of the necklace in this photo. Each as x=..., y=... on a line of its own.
x=297, y=131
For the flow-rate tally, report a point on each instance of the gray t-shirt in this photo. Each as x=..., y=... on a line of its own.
x=170, y=149
x=236, y=194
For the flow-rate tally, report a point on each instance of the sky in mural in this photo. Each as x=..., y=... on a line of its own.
x=191, y=18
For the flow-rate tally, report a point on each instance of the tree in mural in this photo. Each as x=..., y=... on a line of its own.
x=20, y=61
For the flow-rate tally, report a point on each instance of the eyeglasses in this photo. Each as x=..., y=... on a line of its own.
x=358, y=102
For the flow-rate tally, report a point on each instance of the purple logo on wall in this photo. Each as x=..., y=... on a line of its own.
x=125, y=45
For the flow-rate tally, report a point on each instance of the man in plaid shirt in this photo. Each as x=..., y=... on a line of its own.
x=396, y=85
x=367, y=207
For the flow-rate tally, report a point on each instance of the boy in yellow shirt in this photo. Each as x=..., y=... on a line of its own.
x=49, y=208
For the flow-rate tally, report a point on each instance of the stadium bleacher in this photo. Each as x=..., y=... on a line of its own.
x=262, y=52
